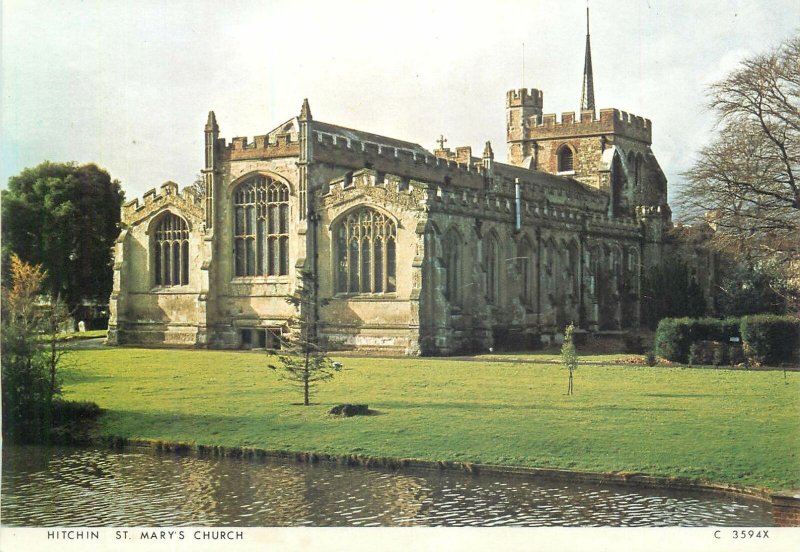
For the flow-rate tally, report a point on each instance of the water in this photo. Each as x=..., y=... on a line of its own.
x=94, y=487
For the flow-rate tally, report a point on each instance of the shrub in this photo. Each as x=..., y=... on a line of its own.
x=675, y=336
x=650, y=358
x=696, y=354
x=673, y=339
x=771, y=339
x=735, y=354
x=718, y=354
x=74, y=411
x=73, y=421
x=634, y=344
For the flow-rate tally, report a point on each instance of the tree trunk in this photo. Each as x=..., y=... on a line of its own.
x=305, y=381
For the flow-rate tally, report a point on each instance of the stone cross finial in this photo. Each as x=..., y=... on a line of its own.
x=441, y=141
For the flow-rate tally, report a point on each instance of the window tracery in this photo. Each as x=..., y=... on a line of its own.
x=366, y=247
x=261, y=228
x=171, y=251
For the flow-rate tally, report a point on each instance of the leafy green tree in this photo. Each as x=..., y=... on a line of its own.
x=303, y=362
x=670, y=291
x=569, y=355
x=64, y=217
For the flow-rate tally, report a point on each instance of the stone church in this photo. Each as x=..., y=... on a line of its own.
x=406, y=250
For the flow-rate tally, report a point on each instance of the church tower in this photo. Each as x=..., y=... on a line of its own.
x=608, y=151
x=587, y=94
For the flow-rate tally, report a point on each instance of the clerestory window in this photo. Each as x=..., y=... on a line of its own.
x=261, y=228
x=171, y=251
x=366, y=244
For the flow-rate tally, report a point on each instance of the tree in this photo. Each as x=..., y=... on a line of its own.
x=199, y=187
x=670, y=291
x=568, y=354
x=305, y=363
x=745, y=289
x=29, y=368
x=64, y=217
x=744, y=183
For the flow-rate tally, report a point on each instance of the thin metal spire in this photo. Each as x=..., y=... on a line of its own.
x=587, y=94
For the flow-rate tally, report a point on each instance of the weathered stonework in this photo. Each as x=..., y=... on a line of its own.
x=481, y=253
x=786, y=508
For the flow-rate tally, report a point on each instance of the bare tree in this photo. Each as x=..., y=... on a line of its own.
x=744, y=184
x=199, y=187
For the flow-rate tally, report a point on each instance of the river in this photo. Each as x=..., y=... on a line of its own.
x=97, y=487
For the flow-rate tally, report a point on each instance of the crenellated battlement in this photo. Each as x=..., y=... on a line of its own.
x=539, y=201
x=327, y=140
x=525, y=97
x=263, y=141
x=168, y=192
x=279, y=144
x=610, y=121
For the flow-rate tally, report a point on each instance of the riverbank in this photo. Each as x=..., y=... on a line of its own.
x=735, y=428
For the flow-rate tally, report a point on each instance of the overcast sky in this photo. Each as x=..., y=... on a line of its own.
x=128, y=84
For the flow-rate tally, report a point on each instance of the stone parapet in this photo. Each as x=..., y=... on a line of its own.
x=168, y=194
x=610, y=121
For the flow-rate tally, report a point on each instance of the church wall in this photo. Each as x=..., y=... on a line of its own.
x=245, y=302
x=143, y=312
x=388, y=321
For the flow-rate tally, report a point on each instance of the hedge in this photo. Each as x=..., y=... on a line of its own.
x=766, y=339
x=771, y=339
x=675, y=336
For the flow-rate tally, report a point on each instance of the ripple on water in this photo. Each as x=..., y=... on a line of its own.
x=87, y=487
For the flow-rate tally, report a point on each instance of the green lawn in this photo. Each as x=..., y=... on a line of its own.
x=72, y=336
x=728, y=426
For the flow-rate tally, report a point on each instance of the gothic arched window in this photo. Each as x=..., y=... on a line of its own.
x=565, y=159
x=573, y=274
x=525, y=268
x=639, y=163
x=633, y=171
x=633, y=269
x=366, y=245
x=493, y=268
x=171, y=251
x=451, y=257
x=261, y=228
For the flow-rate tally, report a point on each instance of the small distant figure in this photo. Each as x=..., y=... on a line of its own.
x=491, y=349
x=81, y=326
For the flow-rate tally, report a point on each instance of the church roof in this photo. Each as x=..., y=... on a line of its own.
x=362, y=136
x=543, y=178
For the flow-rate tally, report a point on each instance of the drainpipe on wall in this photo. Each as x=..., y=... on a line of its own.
x=517, y=197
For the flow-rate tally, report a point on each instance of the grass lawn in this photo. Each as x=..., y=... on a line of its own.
x=72, y=336
x=728, y=426
x=554, y=355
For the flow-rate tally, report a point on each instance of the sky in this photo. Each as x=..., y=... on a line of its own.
x=128, y=84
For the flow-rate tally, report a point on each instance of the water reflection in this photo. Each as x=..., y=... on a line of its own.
x=89, y=487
